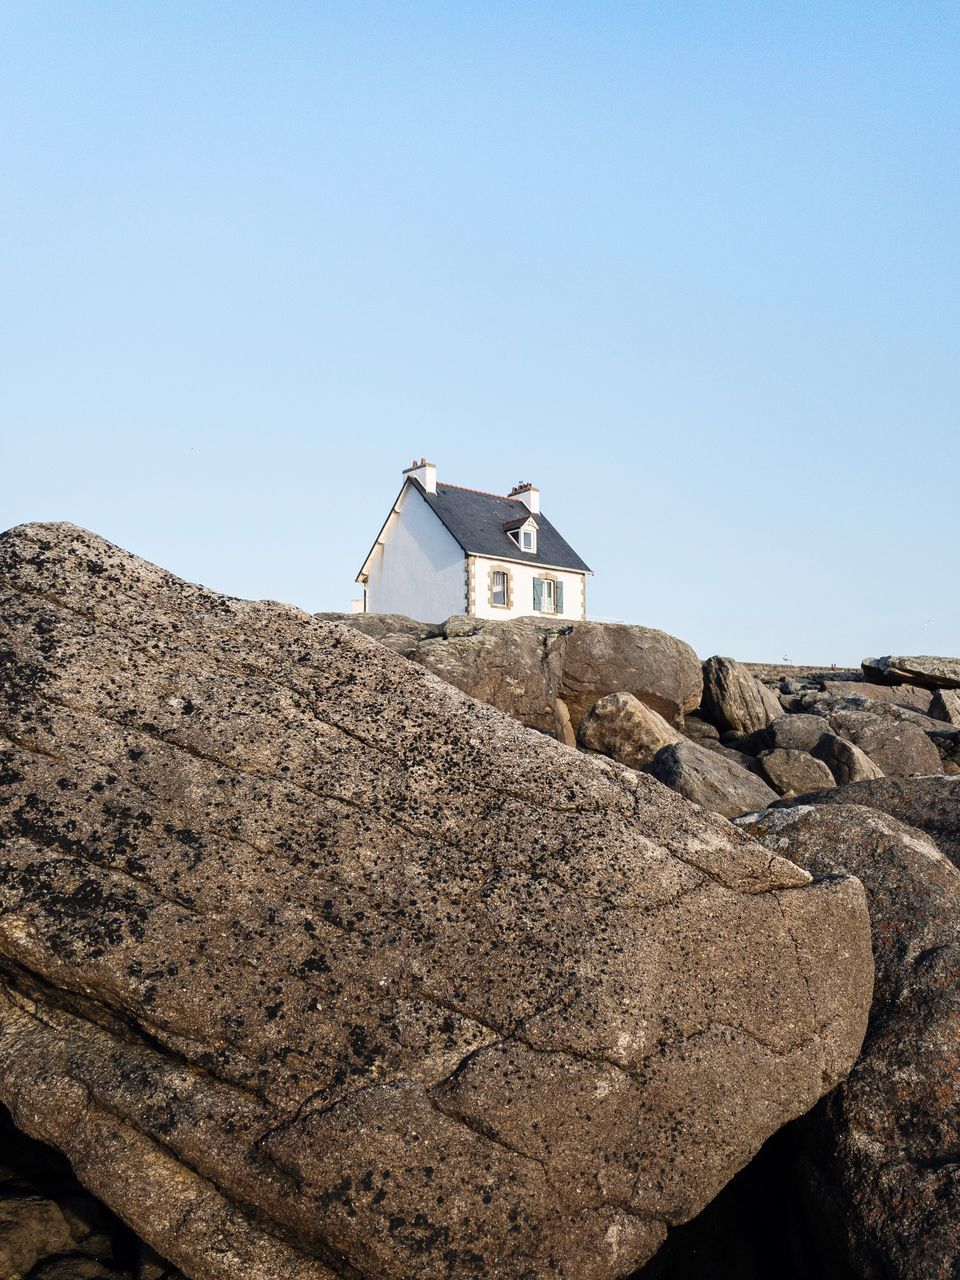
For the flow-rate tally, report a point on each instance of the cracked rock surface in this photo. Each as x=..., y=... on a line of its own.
x=313, y=966
x=546, y=674
x=879, y=1157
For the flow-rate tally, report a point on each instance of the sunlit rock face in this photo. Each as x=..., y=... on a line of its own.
x=314, y=966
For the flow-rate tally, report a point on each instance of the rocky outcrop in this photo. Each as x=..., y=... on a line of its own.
x=700, y=730
x=901, y=695
x=734, y=700
x=515, y=665
x=879, y=1156
x=890, y=733
x=600, y=658
x=813, y=735
x=945, y=705
x=547, y=675
x=845, y=761
x=795, y=732
x=794, y=772
x=626, y=729
x=931, y=804
x=314, y=967
x=52, y=1229
x=710, y=779
x=947, y=743
x=896, y=746
x=926, y=671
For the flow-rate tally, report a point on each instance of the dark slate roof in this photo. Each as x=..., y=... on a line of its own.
x=477, y=522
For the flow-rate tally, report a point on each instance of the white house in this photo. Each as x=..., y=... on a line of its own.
x=445, y=550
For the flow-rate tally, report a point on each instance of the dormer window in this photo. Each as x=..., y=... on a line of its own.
x=523, y=531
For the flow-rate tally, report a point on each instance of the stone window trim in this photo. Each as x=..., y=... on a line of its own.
x=553, y=578
x=508, y=578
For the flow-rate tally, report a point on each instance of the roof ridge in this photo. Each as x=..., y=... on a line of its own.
x=484, y=493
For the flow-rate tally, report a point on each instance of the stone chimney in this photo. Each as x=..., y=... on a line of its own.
x=528, y=494
x=425, y=472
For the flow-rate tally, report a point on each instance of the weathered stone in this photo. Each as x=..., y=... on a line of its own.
x=50, y=1226
x=314, y=967
x=945, y=705
x=700, y=730
x=395, y=630
x=931, y=804
x=903, y=695
x=828, y=704
x=794, y=772
x=880, y=1154
x=929, y=672
x=791, y=733
x=947, y=743
x=710, y=779
x=547, y=675
x=733, y=699
x=31, y=1229
x=745, y=761
x=600, y=658
x=626, y=729
x=846, y=762
x=897, y=747
x=945, y=738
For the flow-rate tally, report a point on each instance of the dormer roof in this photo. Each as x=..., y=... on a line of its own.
x=525, y=521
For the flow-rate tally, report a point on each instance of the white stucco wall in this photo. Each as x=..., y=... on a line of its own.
x=522, y=576
x=420, y=570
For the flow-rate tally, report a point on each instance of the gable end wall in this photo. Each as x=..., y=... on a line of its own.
x=420, y=570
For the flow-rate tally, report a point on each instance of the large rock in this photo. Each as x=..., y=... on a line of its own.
x=315, y=967
x=896, y=746
x=846, y=762
x=395, y=630
x=547, y=675
x=947, y=743
x=514, y=665
x=912, y=758
x=902, y=695
x=600, y=658
x=700, y=730
x=812, y=734
x=926, y=671
x=711, y=780
x=945, y=705
x=931, y=804
x=52, y=1229
x=733, y=699
x=792, y=733
x=880, y=1154
x=626, y=729
x=793, y=772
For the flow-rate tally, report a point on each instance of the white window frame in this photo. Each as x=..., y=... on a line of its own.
x=504, y=588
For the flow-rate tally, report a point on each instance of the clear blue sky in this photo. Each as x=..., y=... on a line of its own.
x=690, y=267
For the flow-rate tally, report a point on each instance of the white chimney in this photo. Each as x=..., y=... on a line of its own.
x=425, y=472
x=528, y=495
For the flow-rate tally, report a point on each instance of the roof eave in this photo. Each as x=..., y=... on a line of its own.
x=534, y=564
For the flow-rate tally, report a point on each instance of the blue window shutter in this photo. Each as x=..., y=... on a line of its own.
x=559, y=590
x=538, y=594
